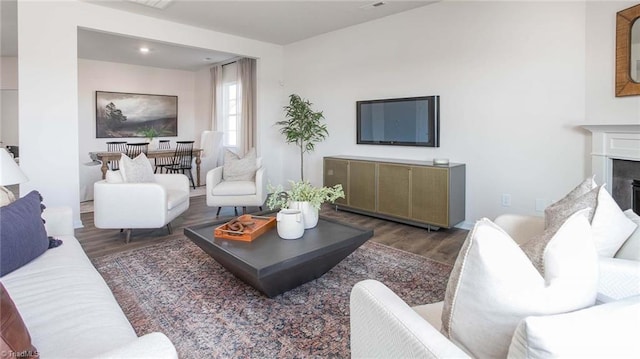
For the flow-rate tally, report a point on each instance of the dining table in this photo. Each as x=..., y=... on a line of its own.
x=105, y=157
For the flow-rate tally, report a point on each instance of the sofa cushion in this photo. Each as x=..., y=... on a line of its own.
x=603, y=331
x=494, y=285
x=234, y=188
x=15, y=339
x=631, y=247
x=67, y=306
x=610, y=225
x=22, y=233
x=137, y=170
x=238, y=168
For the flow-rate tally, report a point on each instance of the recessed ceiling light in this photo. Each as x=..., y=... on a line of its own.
x=144, y=50
x=158, y=4
x=373, y=5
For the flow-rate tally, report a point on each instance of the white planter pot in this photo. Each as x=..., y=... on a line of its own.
x=290, y=224
x=309, y=213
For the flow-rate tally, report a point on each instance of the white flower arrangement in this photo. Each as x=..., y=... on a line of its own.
x=302, y=191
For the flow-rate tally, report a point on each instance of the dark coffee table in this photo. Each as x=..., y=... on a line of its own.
x=274, y=265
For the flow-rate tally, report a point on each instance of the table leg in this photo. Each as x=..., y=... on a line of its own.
x=198, y=161
x=104, y=168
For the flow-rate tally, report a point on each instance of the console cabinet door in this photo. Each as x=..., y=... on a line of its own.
x=362, y=185
x=393, y=189
x=337, y=172
x=430, y=195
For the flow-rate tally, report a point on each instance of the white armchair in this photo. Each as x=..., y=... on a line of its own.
x=140, y=205
x=221, y=193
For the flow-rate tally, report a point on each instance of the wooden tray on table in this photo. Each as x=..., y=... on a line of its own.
x=261, y=225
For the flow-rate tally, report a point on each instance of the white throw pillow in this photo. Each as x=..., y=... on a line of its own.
x=137, y=170
x=604, y=331
x=631, y=247
x=237, y=168
x=113, y=177
x=494, y=285
x=610, y=225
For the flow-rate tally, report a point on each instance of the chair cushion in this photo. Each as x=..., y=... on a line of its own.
x=234, y=188
x=631, y=247
x=239, y=169
x=23, y=237
x=176, y=198
x=137, y=170
x=603, y=331
x=15, y=339
x=494, y=285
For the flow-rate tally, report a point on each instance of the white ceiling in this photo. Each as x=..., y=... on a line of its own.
x=279, y=22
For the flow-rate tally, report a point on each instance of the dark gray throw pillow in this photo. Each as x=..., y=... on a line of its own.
x=22, y=234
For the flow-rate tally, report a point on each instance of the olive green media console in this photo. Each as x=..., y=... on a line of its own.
x=413, y=192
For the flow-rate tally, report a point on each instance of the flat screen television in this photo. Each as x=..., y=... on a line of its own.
x=412, y=121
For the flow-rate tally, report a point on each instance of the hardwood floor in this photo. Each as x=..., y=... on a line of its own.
x=442, y=245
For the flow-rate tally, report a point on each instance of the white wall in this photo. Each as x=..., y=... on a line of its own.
x=48, y=81
x=108, y=76
x=8, y=101
x=511, y=77
x=603, y=107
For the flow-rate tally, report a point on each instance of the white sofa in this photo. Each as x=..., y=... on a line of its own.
x=384, y=326
x=120, y=205
x=68, y=308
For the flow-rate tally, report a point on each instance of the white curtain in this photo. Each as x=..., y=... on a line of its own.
x=247, y=97
x=216, y=96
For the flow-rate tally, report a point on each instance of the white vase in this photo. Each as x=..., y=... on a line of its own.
x=290, y=224
x=309, y=212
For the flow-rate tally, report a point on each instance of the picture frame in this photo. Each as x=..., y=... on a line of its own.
x=122, y=114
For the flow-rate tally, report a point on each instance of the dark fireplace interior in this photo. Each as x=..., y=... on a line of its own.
x=624, y=191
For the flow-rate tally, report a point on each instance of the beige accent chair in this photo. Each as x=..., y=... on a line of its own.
x=221, y=193
x=120, y=205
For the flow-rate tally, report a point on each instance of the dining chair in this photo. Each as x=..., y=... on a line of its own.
x=116, y=146
x=163, y=162
x=134, y=149
x=182, y=160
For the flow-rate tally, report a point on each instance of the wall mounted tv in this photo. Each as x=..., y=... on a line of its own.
x=413, y=121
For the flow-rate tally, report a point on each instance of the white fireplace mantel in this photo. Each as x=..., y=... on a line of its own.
x=611, y=142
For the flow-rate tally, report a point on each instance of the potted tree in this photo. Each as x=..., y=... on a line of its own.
x=304, y=197
x=302, y=126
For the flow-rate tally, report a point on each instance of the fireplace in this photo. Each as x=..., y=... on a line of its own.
x=615, y=160
x=635, y=203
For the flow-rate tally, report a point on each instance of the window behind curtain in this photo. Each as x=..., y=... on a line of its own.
x=230, y=109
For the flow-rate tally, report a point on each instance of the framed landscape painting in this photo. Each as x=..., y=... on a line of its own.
x=134, y=115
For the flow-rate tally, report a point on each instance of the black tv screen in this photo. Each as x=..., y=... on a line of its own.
x=413, y=121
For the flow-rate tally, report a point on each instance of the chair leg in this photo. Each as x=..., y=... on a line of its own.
x=218, y=212
x=260, y=208
x=244, y=210
x=128, y=239
x=235, y=210
x=169, y=228
x=190, y=177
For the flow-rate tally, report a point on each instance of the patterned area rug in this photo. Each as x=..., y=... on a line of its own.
x=177, y=289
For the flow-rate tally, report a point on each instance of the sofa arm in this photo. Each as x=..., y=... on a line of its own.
x=175, y=181
x=214, y=177
x=619, y=278
x=129, y=205
x=261, y=185
x=58, y=221
x=521, y=228
x=152, y=346
x=384, y=326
